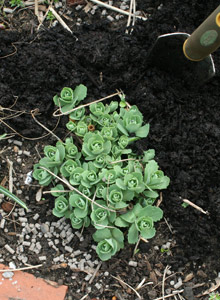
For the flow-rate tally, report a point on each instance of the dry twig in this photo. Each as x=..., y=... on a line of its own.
x=55, y=114
x=195, y=206
x=74, y=189
x=94, y=274
x=121, y=11
x=21, y=269
x=121, y=281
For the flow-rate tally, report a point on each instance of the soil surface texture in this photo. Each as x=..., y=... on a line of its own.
x=184, y=131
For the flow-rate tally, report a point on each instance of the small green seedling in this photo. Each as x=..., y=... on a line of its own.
x=214, y=296
x=50, y=16
x=13, y=197
x=114, y=189
x=185, y=205
x=16, y=3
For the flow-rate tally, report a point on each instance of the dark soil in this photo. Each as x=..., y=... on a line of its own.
x=185, y=122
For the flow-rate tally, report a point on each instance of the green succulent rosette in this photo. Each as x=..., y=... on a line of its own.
x=97, y=109
x=105, y=120
x=109, y=133
x=78, y=223
x=94, y=145
x=108, y=176
x=86, y=191
x=61, y=206
x=80, y=205
x=76, y=176
x=132, y=182
x=72, y=151
x=141, y=221
x=66, y=97
x=113, y=106
x=54, y=156
x=102, y=160
x=68, y=167
x=69, y=99
x=81, y=128
x=118, y=151
x=101, y=217
x=42, y=176
x=123, y=141
x=115, y=197
x=100, y=187
x=131, y=122
x=154, y=178
x=58, y=187
x=89, y=178
x=109, y=241
x=77, y=114
x=71, y=126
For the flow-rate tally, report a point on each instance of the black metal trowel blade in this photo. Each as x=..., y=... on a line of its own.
x=167, y=54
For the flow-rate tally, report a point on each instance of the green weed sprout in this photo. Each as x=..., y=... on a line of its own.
x=113, y=188
x=214, y=296
x=16, y=3
x=6, y=192
x=13, y=197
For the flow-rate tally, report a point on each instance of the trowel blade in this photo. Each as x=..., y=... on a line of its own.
x=167, y=54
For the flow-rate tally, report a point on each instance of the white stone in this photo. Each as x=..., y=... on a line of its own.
x=56, y=259
x=68, y=249
x=41, y=258
x=2, y=224
x=8, y=274
x=9, y=249
x=132, y=263
x=87, y=278
x=36, y=217
x=18, y=143
x=26, y=243
x=110, y=18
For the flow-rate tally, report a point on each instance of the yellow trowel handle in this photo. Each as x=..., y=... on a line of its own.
x=205, y=39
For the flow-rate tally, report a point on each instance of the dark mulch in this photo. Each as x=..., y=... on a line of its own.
x=185, y=122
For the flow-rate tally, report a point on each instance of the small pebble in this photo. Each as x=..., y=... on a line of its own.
x=56, y=259
x=98, y=286
x=178, y=284
x=44, y=228
x=18, y=143
x=77, y=252
x=168, y=272
x=21, y=219
x=8, y=274
x=69, y=249
x=78, y=7
x=41, y=258
x=87, y=278
x=36, y=217
x=9, y=249
x=2, y=224
x=110, y=18
x=26, y=243
x=27, y=153
x=12, y=265
x=132, y=263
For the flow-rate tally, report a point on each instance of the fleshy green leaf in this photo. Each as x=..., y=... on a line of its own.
x=154, y=212
x=133, y=234
x=143, y=131
x=7, y=193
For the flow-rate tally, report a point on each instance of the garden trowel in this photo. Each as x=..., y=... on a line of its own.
x=188, y=56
